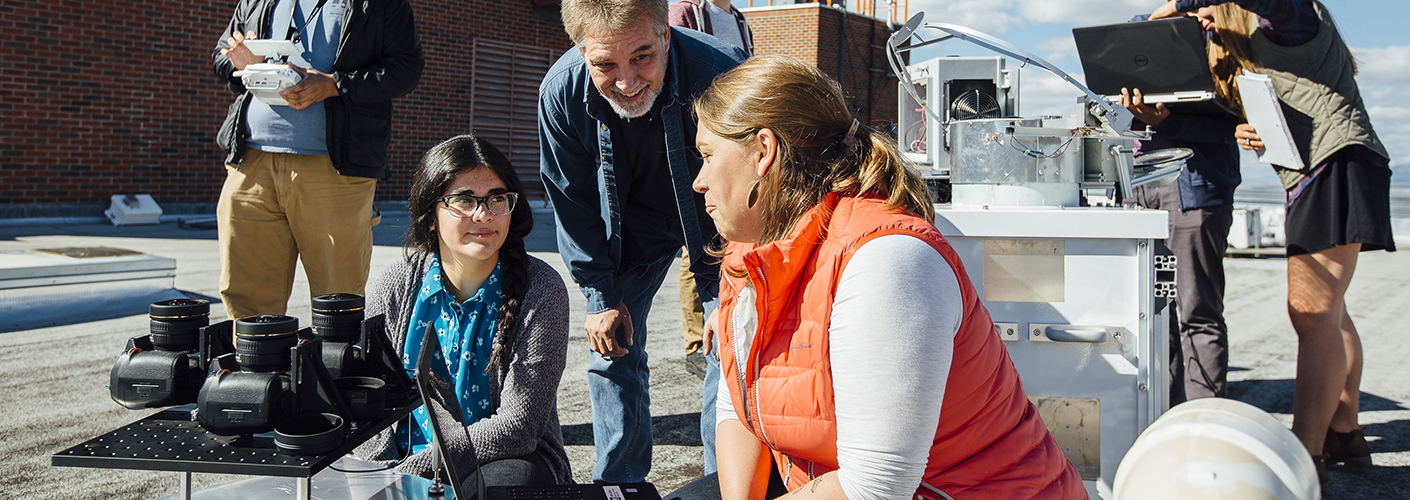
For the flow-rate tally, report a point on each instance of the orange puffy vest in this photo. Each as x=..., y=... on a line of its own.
x=989, y=442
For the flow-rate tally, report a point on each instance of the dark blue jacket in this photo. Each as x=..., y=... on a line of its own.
x=1210, y=176
x=579, y=165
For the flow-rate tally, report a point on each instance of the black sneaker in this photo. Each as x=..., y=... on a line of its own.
x=695, y=363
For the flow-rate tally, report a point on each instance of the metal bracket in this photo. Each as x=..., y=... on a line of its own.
x=1165, y=276
x=1008, y=332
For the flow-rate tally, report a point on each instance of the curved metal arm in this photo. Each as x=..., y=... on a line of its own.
x=1114, y=118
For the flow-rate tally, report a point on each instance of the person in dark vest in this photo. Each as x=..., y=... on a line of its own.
x=1338, y=202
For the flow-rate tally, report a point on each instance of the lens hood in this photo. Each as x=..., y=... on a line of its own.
x=338, y=303
x=179, y=309
x=266, y=326
x=366, y=396
x=309, y=433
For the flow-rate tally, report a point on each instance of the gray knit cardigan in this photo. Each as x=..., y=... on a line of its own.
x=525, y=394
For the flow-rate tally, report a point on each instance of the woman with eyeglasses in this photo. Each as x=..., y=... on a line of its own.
x=501, y=317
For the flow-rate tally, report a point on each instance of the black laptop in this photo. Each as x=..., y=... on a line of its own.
x=1165, y=58
x=446, y=418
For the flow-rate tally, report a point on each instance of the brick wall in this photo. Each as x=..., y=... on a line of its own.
x=818, y=35
x=101, y=98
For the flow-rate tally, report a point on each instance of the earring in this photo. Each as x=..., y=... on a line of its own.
x=754, y=192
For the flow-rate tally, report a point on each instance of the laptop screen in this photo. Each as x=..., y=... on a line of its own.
x=435, y=384
x=1159, y=57
x=447, y=424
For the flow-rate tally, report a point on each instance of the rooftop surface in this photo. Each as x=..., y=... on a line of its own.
x=53, y=378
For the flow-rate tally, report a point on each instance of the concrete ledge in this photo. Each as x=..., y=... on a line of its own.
x=40, y=289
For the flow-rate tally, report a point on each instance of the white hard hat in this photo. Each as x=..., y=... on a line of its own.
x=1216, y=448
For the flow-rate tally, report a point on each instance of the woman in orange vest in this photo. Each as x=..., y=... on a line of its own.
x=844, y=313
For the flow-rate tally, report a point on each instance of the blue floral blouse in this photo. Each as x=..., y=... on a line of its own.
x=466, y=332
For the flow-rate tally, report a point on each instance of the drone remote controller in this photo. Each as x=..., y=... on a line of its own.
x=266, y=80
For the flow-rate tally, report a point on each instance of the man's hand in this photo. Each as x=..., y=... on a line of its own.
x=602, y=327
x=238, y=53
x=1134, y=101
x=316, y=86
x=1248, y=137
x=708, y=335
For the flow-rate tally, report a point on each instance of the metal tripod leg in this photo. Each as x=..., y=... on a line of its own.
x=305, y=488
x=185, y=486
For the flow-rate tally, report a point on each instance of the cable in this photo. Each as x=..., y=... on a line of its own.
x=398, y=463
x=1038, y=153
x=392, y=466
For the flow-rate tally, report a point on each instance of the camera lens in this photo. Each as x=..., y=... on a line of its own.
x=337, y=317
x=262, y=342
x=176, y=323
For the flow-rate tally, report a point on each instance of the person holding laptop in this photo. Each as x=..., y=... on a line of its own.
x=1338, y=203
x=500, y=315
x=844, y=312
x=1200, y=203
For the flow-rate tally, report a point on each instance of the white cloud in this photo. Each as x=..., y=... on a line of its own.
x=1042, y=93
x=989, y=16
x=1084, y=12
x=1387, y=65
x=1058, y=49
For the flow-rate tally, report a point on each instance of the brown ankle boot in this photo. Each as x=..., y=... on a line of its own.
x=1348, y=448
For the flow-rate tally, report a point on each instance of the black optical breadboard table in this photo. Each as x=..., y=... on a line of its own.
x=171, y=441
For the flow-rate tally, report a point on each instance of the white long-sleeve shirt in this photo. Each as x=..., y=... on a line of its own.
x=891, y=335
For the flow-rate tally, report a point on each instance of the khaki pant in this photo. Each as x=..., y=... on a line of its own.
x=692, y=311
x=276, y=208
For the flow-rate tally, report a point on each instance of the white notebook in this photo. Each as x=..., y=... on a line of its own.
x=1265, y=113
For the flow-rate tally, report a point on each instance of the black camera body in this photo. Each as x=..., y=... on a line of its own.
x=248, y=391
x=144, y=377
x=166, y=367
x=232, y=403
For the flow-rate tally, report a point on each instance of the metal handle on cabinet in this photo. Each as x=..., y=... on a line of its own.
x=1068, y=333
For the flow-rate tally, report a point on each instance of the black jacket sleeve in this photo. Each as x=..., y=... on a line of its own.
x=397, y=67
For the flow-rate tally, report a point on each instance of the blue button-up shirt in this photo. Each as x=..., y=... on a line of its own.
x=579, y=165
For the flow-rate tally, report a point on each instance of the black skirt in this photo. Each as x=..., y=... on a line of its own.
x=1348, y=202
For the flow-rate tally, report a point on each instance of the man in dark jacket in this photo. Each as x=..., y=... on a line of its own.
x=301, y=177
x=1201, y=205
x=615, y=135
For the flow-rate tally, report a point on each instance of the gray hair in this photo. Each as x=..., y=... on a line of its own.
x=580, y=16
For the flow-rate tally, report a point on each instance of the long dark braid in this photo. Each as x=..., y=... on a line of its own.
x=438, y=169
x=514, y=267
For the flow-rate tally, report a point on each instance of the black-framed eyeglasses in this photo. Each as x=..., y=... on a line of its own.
x=464, y=205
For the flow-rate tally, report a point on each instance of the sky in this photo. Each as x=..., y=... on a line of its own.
x=1376, y=31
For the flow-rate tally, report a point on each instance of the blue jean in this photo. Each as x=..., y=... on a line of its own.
x=708, y=393
x=620, y=389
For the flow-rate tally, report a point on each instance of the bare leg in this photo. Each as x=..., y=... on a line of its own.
x=1344, y=420
x=1317, y=283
